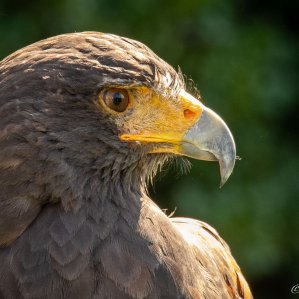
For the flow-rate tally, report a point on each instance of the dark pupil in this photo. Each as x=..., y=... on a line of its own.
x=117, y=98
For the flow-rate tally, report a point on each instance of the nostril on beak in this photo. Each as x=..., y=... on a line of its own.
x=189, y=114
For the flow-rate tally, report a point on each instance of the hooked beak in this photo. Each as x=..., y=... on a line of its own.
x=210, y=139
x=184, y=127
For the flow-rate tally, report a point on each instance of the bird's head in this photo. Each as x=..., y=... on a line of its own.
x=92, y=100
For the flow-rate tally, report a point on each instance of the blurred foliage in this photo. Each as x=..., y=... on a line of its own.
x=243, y=57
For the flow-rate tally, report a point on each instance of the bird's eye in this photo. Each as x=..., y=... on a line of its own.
x=116, y=99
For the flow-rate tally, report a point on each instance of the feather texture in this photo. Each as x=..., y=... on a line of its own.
x=75, y=220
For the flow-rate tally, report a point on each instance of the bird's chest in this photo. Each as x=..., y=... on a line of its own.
x=91, y=254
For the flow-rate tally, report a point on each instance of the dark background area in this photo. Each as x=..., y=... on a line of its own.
x=243, y=57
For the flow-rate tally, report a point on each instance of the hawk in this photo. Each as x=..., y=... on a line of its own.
x=86, y=120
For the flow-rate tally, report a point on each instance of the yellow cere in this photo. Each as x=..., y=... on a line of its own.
x=156, y=119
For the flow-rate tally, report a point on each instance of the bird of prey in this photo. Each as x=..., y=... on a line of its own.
x=86, y=119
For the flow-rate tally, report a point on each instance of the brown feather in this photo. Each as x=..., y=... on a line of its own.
x=215, y=255
x=75, y=220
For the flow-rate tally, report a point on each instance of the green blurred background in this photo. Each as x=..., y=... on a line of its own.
x=243, y=57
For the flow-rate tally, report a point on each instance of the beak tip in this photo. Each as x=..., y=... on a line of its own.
x=226, y=167
x=223, y=180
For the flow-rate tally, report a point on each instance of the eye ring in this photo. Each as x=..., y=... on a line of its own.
x=116, y=99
